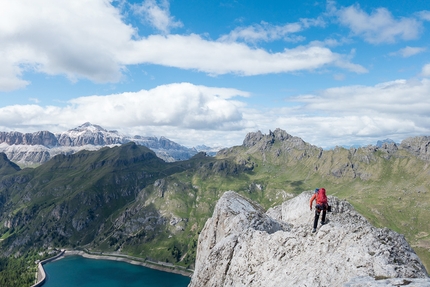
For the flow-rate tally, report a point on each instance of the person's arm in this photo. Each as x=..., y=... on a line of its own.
x=312, y=199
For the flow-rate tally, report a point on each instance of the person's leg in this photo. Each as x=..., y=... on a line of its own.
x=317, y=216
x=323, y=216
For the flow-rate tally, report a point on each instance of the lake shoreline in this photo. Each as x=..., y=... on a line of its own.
x=131, y=260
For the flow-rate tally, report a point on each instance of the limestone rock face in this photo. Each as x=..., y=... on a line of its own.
x=265, y=141
x=233, y=216
x=419, y=146
x=241, y=245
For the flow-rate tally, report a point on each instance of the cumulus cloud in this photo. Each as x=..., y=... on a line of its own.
x=194, y=52
x=408, y=51
x=395, y=97
x=355, y=114
x=425, y=15
x=10, y=74
x=267, y=32
x=351, y=115
x=81, y=39
x=426, y=70
x=78, y=39
x=181, y=105
x=191, y=114
x=157, y=15
x=380, y=26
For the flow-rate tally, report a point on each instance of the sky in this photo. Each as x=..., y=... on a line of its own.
x=334, y=73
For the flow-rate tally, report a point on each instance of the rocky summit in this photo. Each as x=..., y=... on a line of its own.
x=242, y=245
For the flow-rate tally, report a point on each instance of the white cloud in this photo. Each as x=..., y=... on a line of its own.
x=351, y=115
x=339, y=77
x=409, y=51
x=179, y=106
x=426, y=70
x=10, y=74
x=330, y=42
x=157, y=14
x=398, y=97
x=355, y=114
x=81, y=39
x=380, y=26
x=194, y=52
x=425, y=15
x=267, y=32
x=191, y=115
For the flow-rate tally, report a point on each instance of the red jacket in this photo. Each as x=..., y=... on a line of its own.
x=314, y=197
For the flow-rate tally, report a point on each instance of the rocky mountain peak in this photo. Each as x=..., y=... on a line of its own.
x=89, y=134
x=89, y=127
x=254, y=138
x=241, y=245
x=386, y=141
x=418, y=146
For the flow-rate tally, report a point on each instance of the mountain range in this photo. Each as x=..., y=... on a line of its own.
x=124, y=199
x=32, y=149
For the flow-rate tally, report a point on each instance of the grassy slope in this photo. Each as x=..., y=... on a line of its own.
x=81, y=189
x=389, y=191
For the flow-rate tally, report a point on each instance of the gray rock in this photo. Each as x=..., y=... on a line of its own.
x=241, y=245
x=419, y=146
x=44, y=138
x=393, y=282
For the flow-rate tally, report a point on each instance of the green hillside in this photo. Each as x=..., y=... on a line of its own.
x=128, y=201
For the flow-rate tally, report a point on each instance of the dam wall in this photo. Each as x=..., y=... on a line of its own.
x=41, y=275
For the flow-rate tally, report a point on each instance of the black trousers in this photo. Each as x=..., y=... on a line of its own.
x=317, y=216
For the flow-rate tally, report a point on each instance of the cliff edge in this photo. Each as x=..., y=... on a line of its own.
x=241, y=245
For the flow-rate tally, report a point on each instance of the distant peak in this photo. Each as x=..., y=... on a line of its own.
x=386, y=141
x=89, y=126
x=255, y=138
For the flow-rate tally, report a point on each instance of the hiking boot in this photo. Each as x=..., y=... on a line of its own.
x=314, y=230
x=322, y=222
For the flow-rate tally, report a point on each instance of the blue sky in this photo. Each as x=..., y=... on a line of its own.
x=208, y=72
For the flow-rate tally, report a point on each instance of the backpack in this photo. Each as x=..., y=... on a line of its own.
x=321, y=196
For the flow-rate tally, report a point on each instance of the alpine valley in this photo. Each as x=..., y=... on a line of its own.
x=123, y=199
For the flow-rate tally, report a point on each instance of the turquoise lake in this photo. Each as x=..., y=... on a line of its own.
x=77, y=271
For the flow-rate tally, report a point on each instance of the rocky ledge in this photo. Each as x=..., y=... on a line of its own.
x=241, y=245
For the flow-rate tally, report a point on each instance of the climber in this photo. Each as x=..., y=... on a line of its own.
x=321, y=205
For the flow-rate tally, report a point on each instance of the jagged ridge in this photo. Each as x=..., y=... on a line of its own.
x=241, y=245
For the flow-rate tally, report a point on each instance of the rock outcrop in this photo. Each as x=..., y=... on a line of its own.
x=263, y=142
x=241, y=245
x=419, y=146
